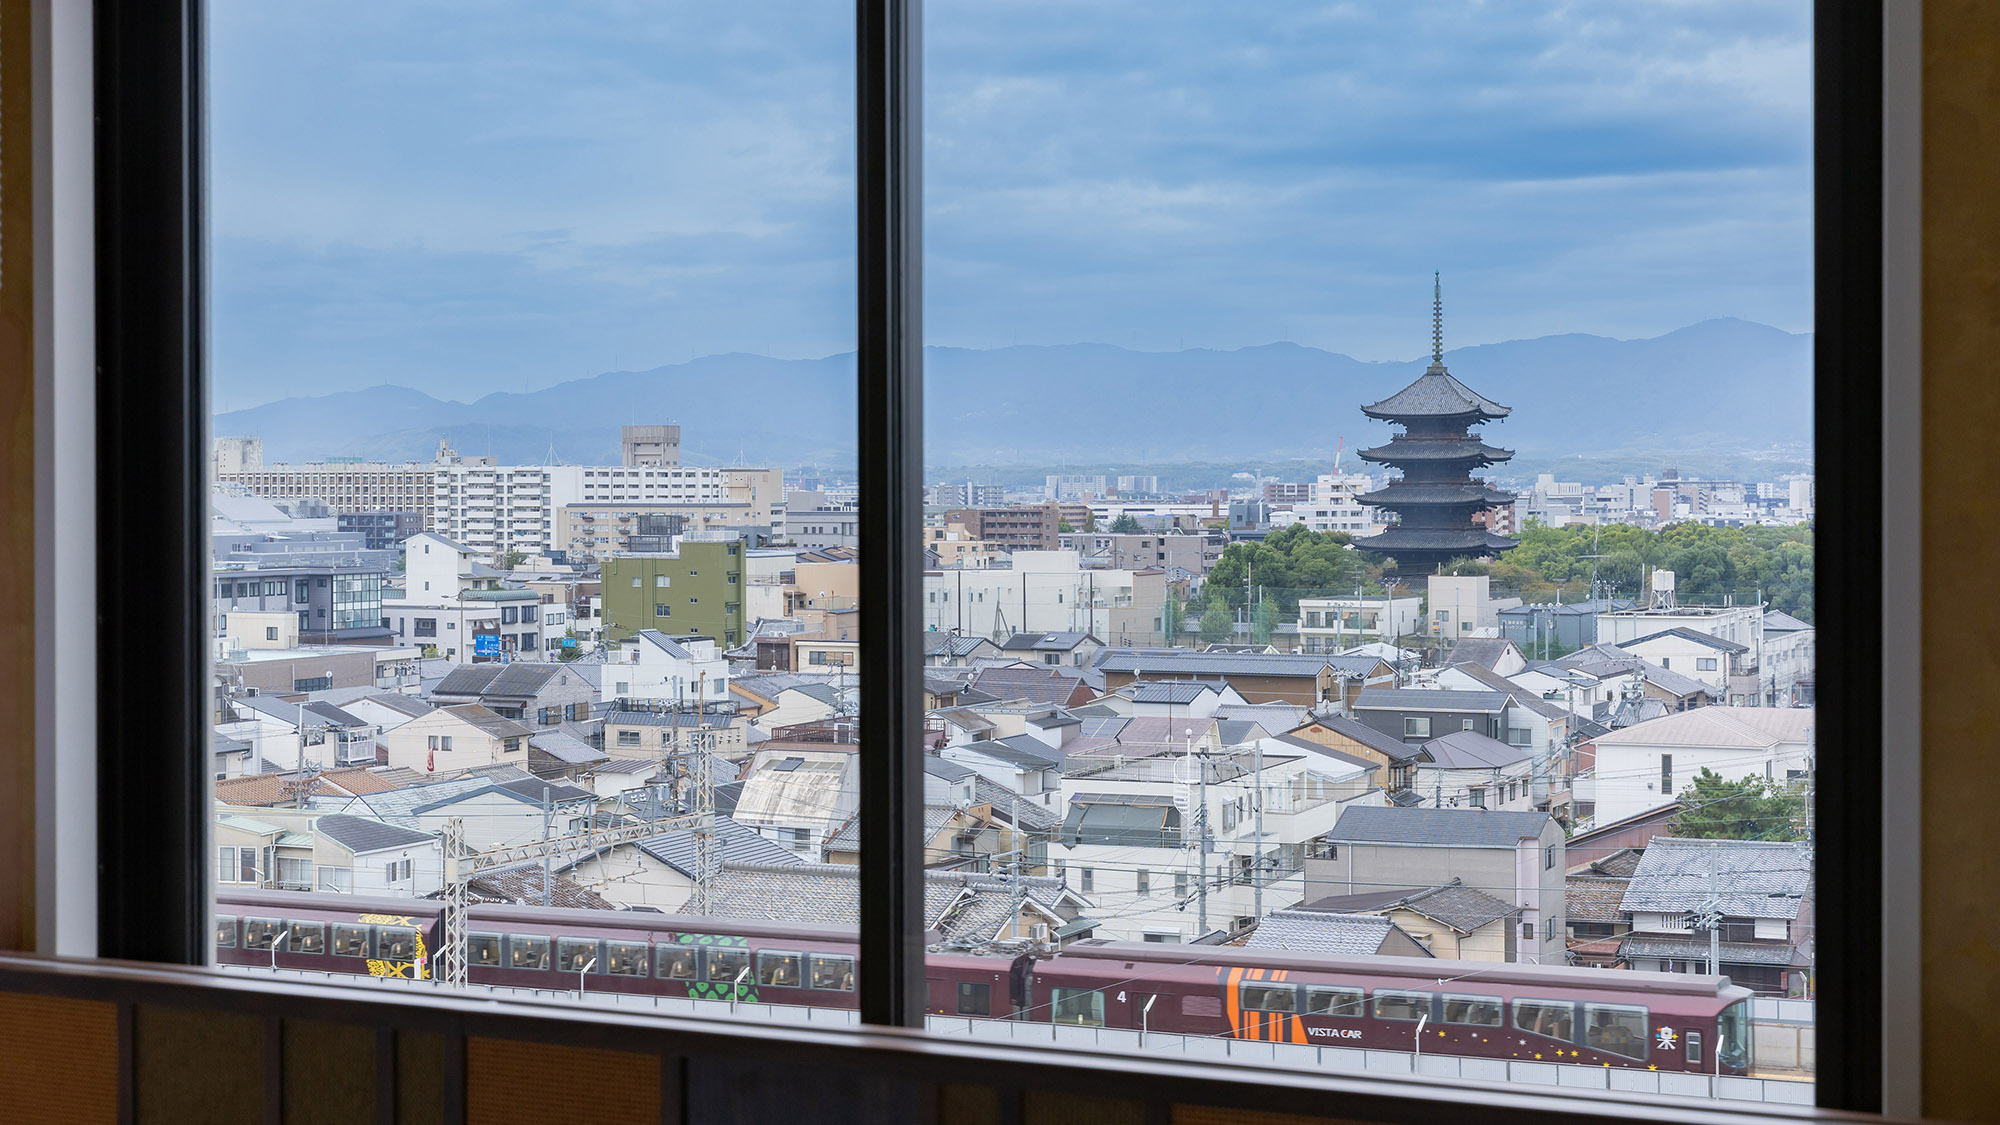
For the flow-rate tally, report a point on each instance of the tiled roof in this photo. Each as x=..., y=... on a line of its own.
x=1044, y=642
x=960, y=905
x=1696, y=949
x=518, y=680
x=1463, y=908
x=1305, y=931
x=521, y=885
x=1367, y=736
x=489, y=720
x=270, y=788
x=1521, y=695
x=1682, y=632
x=737, y=843
x=1593, y=898
x=1468, y=749
x=1181, y=661
x=358, y=834
x=1758, y=728
x=1021, y=751
x=1022, y=813
x=1752, y=879
x=563, y=748
x=1318, y=750
x=1421, y=699
x=1436, y=393
x=1464, y=828
x=1778, y=621
x=1483, y=651
x=1036, y=685
x=952, y=644
x=1165, y=691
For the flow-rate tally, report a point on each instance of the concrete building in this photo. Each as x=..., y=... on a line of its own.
x=1516, y=857
x=1046, y=592
x=1464, y=605
x=597, y=530
x=665, y=668
x=348, y=485
x=1333, y=504
x=1334, y=624
x=331, y=605
x=1025, y=527
x=236, y=455
x=698, y=588
x=1644, y=766
x=652, y=446
x=382, y=530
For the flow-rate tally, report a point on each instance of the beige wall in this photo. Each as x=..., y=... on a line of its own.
x=409, y=744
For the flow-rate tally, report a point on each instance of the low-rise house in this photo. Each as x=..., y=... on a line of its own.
x=798, y=793
x=1393, y=761
x=1034, y=684
x=652, y=665
x=956, y=650
x=969, y=911
x=1498, y=655
x=1514, y=856
x=1301, y=679
x=1418, y=715
x=1644, y=766
x=659, y=871
x=453, y=738
x=1761, y=892
x=294, y=788
x=539, y=695
x=1452, y=921
x=1466, y=768
x=1074, y=650
x=1710, y=659
x=386, y=710
x=655, y=734
x=1312, y=931
x=311, y=850
x=1594, y=896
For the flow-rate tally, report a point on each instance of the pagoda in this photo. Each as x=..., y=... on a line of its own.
x=1438, y=504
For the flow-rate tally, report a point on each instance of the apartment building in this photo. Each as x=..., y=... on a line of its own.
x=1333, y=504
x=698, y=588
x=652, y=446
x=596, y=530
x=1027, y=527
x=343, y=486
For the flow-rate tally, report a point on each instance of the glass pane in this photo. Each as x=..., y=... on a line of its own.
x=1385, y=433
x=532, y=382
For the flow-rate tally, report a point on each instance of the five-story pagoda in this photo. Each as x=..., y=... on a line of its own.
x=1438, y=503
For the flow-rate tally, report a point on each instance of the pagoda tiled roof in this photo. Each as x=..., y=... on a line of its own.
x=1403, y=449
x=1436, y=394
x=1469, y=540
x=1402, y=492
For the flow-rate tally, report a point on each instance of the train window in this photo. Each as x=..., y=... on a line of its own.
x=1324, y=1001
x=259, y=933
x=1616, y=1029
x=1391, y=1005
x=482, y=951
x=1553, y=1018
x=350, y=941
x=576, y=955
x=1083, y=1007
x=975, y=998
x=778, y=970
x=395, y=943
x=1477, y=1011
x=727, y=964
x=525, y=951
x=676, y=962
x=625, y=958
x=307, y=937
x=225, y=931
x=832, y=972
x=1270, y=998
x=1205, y=1006
x=1694, y=1047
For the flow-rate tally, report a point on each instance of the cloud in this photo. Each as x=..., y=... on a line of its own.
x=460, y=196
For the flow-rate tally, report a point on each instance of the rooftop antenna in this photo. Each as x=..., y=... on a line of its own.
x=1437, y=323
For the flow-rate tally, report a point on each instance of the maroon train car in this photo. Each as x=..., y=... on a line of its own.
x=327, y=933
x=1588, y=1017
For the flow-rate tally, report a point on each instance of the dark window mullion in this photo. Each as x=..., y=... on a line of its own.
x=890, y=440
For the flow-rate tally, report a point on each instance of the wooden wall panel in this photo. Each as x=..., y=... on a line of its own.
x=1961, y=545
x=197, y=1064
x=515, y=1083
x=420, y=1078
x=18, y=650
x=58, y=1060
x=329, y=1073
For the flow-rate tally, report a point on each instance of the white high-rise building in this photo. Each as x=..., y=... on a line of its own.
x=1335, y=505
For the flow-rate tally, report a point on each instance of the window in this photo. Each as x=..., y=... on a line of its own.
x=628, y=738
x=1616, y=1029
x=832, y=972
x=1704, y=663
x=270, y=632
x=306, y=937
x=395, y=943
x=226, y=865
x=1694, y=1048
x=1268, y=998
x=350, y=941
x=1180, y=884
x=778, y=970
x=1549, y=857
x=1325, y=1000
x=261, y=933
x=676, y=962
x=482, y=951
x=527, y=951
x=660, y=581
x=1527, y=931
x=1145, y=881
x=625, y=958
x=1083, y=1007
x=1416, y=726
x=662, y=609
x=1476, y=1011
x=1086, y=879
x=1393, y=1005
x=726, y=965
x=975, y=998
x=225, y=931
x=423, y=627
x=1552, y=1019
x=1476, y=798
x=1666, y=775
x=1465, y=724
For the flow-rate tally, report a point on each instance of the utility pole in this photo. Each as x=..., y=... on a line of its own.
x=548, y=855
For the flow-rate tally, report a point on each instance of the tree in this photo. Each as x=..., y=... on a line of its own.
x=1749, y=809
x=1173, y=613
x=1125, y=525
x=1090, y=520
x=511, y=559
x=1064, y=527
x=1217, y=623
x=1263, y=620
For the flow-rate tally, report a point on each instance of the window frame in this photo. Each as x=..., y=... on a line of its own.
x=151, y=446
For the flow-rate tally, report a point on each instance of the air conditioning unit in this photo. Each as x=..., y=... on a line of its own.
x=250, y=692
x=1040, y=932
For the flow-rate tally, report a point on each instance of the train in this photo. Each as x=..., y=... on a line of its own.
x=1555, y=1013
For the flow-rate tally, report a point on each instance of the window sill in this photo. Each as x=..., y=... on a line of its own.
x=916, y=1060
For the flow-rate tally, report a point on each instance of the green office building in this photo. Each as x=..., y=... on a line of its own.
x=696, y=589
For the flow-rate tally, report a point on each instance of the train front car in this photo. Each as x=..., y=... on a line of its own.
x=327, y=933
x=1581, y=1017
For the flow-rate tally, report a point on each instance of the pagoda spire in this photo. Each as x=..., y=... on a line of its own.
x=1437, y=322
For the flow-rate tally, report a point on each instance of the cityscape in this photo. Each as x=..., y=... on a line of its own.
x=1405, y=755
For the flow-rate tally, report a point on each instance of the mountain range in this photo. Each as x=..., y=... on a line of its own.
x=1725, y=386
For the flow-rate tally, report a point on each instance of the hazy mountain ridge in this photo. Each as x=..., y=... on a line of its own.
x=1720, y=384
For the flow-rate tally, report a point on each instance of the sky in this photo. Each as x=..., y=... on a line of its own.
x=464, y=197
